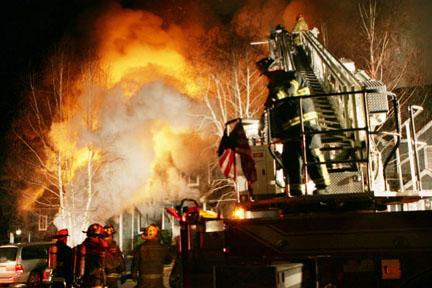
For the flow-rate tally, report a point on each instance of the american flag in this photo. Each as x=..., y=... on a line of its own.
x=236, y=142
x=226, y=155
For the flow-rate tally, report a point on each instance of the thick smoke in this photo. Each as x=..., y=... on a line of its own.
x=141, y=142
x=129, y=130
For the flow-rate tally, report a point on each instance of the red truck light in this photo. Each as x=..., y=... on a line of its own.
x=47, y=275
x=19, y=269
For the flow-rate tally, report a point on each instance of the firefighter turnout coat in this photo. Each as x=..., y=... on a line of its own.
x=148, y=263
x=287, y=112
x=115, y=264
x=94, y=249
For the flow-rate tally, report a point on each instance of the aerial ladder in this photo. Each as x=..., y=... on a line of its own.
x=347, y=238
x=351, y=106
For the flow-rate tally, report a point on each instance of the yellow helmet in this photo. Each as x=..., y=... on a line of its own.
x=151, y=232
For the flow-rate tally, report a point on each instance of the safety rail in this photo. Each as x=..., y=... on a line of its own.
x=361, y=158
x=327, y=61
x=365, y=157
x=412, y=143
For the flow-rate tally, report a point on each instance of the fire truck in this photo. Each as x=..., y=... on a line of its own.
x=372, y=229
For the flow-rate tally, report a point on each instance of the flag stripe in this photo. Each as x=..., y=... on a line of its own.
x=226, y=162
x=224, y=155
x=230, y=169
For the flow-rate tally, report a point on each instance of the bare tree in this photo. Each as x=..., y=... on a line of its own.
x=377, y=39
x=390, y=48
x=55, y=174
x=237, y=91
x=35, y=163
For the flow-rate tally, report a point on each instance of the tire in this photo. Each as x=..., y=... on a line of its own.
x=34, y=280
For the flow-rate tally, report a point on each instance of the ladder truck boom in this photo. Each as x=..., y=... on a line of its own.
x=360, y=233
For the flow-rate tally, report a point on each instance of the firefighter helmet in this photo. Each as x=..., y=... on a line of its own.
x=151, y=232
x=109, y=229
x=95, y=229
x=264, y=64
x=61, y=233
x=279, y=28
x=299, y=16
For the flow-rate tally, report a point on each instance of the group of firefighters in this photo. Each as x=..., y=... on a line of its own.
x=98, y=261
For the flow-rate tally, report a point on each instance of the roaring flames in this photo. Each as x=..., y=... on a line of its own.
x=135, y=46
x=82, y=156
x=74, y=156
x=127, y=138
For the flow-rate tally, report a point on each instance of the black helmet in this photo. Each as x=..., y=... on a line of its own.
x=264, y=64
x=95, y=229
x=279, y=28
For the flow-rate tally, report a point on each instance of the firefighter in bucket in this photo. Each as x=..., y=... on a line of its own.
x=284, y=108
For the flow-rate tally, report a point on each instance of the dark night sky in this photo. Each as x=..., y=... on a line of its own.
x=29, y=30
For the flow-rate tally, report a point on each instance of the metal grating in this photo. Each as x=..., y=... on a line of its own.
x=377, y=101
x=346, y=182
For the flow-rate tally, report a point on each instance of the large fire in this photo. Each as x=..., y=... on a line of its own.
x=129, y=136
x=134, y=45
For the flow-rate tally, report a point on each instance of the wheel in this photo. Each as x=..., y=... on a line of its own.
x=34, y=280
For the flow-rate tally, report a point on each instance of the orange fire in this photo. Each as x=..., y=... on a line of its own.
x=135, y=47
x=66, y=140
x=29, y=197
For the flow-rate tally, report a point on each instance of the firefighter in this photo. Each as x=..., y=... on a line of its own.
x=92, y=257
x=149, y=259
x=115, y=264
x=63, y=267
x=300, y=26
x=286, y=85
